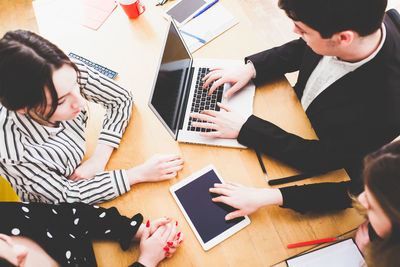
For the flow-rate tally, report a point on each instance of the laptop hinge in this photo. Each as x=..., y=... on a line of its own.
x=185, y=99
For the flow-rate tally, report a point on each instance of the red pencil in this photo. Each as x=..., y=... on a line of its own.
x=314, y=242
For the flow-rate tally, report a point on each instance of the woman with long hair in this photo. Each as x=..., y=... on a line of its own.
x=42, y=123
x=379, y=236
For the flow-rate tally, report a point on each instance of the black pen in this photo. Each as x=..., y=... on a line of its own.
x=262, y=165
x=290, y=179
x=283, y=180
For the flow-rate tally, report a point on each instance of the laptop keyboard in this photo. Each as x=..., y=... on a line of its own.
x=202, y=101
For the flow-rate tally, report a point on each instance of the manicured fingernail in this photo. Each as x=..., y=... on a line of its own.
x=179, y=234
x=170, y=244
x=148, y=224
x=180, y=242
x=176, y=224
x=166, y=248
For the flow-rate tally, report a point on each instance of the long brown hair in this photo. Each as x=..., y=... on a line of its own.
x=382, y=177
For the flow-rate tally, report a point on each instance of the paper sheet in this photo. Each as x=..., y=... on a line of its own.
x=344, y=253
x=89, y=13
x=96, y=12
x=207, y=26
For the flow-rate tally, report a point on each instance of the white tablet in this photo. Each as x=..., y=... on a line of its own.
x=205, y=217
x=184, y=10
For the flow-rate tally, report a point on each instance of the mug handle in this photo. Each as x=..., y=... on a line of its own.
x=141, y=8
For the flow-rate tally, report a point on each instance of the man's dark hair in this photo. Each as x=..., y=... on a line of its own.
x=332, y=16
x=27, y=64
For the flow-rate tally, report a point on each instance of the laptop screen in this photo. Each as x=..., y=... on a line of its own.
x=170, y=81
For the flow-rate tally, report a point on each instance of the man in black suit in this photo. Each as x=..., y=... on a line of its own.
x=348, y=59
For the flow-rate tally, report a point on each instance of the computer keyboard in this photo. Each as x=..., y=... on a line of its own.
x=103, y=70
x=202, y=101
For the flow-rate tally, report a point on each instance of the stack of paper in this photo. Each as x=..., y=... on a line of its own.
x=207, y=26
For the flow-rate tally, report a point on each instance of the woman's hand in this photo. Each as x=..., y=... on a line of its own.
x=162, y=243
x=362, y=236
x=157, y=168
x=245, y=199
x=237, y=76
x=175, y=238
x=154, y=226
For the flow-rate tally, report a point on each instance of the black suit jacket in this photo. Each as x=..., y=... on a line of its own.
x=354, y=116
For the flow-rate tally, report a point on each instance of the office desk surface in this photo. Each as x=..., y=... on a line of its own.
x=132, y=48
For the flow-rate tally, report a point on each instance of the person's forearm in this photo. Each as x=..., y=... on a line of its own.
x=135, y=175
x=251, y=69
x=271, y=197
x=275, y=62
x=317, y=197
x=302, y=154
x=102, y=154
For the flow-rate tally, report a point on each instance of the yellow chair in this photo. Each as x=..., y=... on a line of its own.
x=7, y=194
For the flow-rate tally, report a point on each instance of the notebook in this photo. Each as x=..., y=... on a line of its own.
x=177, y=91
x=343, y=253
x=209, y=25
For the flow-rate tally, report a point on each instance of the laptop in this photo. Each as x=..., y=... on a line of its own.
x=177, y=91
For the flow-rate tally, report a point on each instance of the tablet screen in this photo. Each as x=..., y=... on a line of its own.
x=208, y=217
x=184, y=9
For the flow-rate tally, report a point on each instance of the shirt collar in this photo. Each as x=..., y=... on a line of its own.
x=32, y=129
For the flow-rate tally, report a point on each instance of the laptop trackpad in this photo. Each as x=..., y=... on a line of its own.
x=242, y=101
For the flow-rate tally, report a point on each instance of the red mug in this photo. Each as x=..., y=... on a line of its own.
x=132, y=8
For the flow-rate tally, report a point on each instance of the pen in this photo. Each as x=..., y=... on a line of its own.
x=319, y=241
x=204, y=9
x=293, y=178
x=194, y=36
x=262, y=165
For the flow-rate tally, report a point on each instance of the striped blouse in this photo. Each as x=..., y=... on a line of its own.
x=37, y=160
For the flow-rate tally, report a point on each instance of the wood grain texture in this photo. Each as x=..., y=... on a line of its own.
x=132, y=48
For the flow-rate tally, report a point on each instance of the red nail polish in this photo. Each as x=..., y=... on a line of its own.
x=176, y=223
x=166, y=248
x=179, y=234
x=167, y=255
x=170, y=244
x=180, y=242
x=148, y=224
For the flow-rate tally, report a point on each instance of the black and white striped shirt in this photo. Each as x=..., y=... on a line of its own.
x=37, y=160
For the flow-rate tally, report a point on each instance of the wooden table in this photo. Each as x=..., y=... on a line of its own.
x=133, y=47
